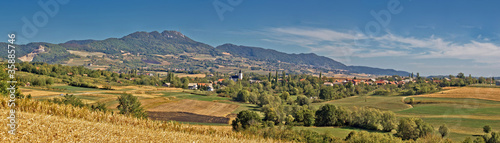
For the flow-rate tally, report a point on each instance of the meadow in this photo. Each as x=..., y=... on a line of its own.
x=464, y=110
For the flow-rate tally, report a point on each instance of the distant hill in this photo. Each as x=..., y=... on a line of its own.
x=377, y=71
x=256, y=53
x=167, y=42
x=183, y=52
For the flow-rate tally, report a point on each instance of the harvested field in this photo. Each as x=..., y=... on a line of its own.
x=37, y=93
x=193, y=111
x=180, y=75
x=468, y=92
x=187, y=117
x=197, y=107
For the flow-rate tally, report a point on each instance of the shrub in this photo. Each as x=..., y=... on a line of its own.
x=129, y=105
x=487, y=129
x=246, y=119
x=443, y=130
x=413, y=128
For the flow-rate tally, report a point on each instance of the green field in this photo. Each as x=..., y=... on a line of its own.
x=464, y=116
x=68, y=88
x=392, y=103
x=336, y=131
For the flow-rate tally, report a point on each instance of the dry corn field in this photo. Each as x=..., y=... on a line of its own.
x=48, y=122
x=468, y=92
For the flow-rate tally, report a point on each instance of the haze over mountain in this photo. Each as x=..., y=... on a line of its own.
x=154, y=43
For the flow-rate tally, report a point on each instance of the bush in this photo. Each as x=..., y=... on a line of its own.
x=69, y=99
x=246, y=119
x=243, y=96
x=443, y=130
x=413, y=128
x=487, y=129
x=129, y=105
x=303, y=100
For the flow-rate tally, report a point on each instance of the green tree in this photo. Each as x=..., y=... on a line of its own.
x=303, y=100
x=285, y=95
x=487, y=129
x=443, y=130
x=243, y=96
x=309, y=117
x=246, y=119
x=129, y=105
x=331, y=115
x=413, y=128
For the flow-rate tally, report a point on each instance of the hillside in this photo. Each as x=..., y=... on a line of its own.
x=273, y=55
x=167, y=42
x=377, y=71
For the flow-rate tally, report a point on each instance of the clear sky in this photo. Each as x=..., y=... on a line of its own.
x=427, y=36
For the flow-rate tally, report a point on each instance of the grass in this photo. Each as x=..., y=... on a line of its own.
x=182, y=95
x=392, y=103
x=461, y=128
x=76, y=89
x=336, y=131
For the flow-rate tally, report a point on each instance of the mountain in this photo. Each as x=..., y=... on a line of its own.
x=256, y=53
x=377, y=71
x=167, y=42
x=172, y=49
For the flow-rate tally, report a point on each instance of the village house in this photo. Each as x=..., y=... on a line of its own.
x=381, y=82
x=192, y=86
x=166, y=85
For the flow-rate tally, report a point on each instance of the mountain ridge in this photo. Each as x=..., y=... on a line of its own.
x=176, y=43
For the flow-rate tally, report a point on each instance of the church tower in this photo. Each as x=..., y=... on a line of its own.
x=240, y=76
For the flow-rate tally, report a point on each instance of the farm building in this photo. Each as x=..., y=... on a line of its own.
x=192, y=86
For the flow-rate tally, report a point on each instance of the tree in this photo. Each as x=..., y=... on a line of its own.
x=246, y=119
x=389, y=121
x=285, y=95
x=413, y=128
x=331, y=115
x=309, y=117
x=243, y=96
x=129, y=105
x=412, y=101
x=461, y=75
x=283, y=78
x=303, y=100
x=487, y=129
x=326, y=93
x=443, y=130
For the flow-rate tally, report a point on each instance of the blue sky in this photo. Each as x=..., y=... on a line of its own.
x=426, y=36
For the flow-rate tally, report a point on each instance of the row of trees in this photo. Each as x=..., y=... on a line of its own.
x=367, y=118
x=407, y=128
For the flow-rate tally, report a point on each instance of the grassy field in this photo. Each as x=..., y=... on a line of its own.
x=464, y=110
x=340, y=132
x=392, y=103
